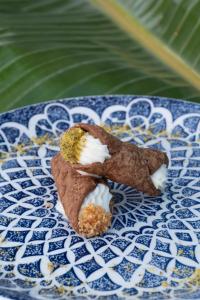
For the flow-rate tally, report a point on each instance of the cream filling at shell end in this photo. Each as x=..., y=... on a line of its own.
x=159, y=177
x=93, y=151
x=99, y=196
x=59, y=207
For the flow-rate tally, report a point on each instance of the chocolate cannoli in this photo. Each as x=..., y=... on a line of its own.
x=92, y=150
x=86, y=199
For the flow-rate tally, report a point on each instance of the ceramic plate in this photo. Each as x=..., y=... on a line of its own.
x=152, y=250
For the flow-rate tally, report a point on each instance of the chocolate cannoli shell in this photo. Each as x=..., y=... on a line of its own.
x=128, y=164
x=72, y=187
x=154, y=158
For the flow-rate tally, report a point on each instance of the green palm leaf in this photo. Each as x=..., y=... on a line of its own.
x=56, y=48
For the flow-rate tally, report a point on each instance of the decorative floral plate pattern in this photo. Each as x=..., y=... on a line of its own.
x=152, y=250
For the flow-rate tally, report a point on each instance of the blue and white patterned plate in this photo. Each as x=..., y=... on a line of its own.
x=152, y=250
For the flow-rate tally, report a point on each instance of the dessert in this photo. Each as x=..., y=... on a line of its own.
x=86, y=199
x=88, y=157
x=93, y=151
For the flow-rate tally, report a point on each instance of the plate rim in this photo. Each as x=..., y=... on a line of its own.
x=46, y=102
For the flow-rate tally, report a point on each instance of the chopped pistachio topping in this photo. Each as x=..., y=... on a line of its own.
x=71, y=144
